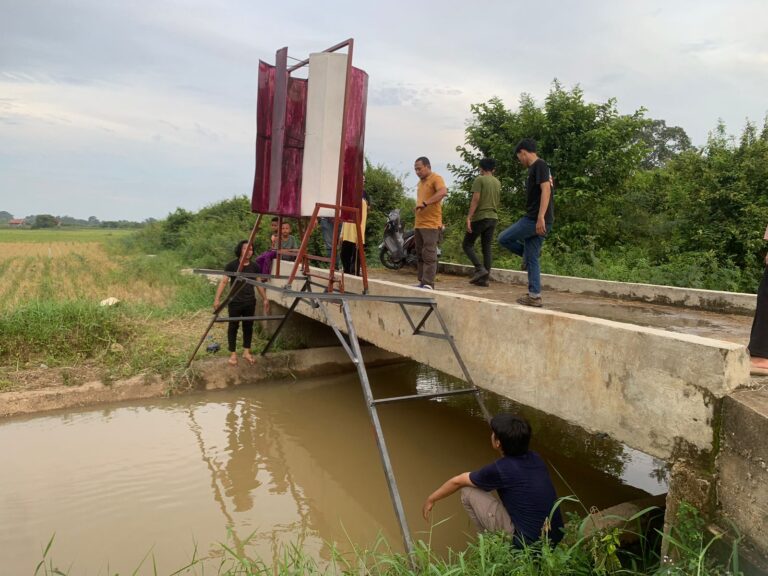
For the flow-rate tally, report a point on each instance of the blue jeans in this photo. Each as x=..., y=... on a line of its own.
x=326, y=227
x=522, y=239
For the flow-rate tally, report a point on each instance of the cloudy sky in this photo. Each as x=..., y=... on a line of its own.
x=128, y=109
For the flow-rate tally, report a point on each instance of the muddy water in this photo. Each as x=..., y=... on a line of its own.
x=282, y=459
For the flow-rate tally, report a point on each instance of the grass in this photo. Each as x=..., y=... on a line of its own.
x=580, y=553
x=50, y=314
x=43, y=235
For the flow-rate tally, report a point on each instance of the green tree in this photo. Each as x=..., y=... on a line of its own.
x=592, y=150
x=385, y=191
x=170, y=237
x=45, y=221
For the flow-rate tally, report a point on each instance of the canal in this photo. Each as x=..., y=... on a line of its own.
x=272, y=463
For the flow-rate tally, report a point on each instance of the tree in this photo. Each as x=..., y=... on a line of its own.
x=45, y=221
x=386, y=192
x=664, y=143
x=592, y=150
x=172, y=227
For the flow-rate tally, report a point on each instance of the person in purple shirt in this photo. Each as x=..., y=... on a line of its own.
x=527, y=498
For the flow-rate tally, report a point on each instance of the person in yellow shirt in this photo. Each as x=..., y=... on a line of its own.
x=429, y=220
x=350, y=256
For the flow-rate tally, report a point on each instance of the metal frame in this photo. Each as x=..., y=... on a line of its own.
x=351, y=346
x=302, y=256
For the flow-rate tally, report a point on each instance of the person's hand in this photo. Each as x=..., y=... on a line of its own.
x=541, y=227
x=469, y=225
x=766, y=259
x=421, y=206
x=427, y=509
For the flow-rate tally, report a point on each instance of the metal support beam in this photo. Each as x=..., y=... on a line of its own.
x=425, y=396
x=394, y=493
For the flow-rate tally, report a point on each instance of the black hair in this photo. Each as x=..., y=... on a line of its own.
x=239, y=248
x=424, y=160
x=527, y=144
x=514, y=433
x=488, y=164
x=275, y=219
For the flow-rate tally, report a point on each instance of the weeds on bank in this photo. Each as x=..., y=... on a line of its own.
x=579, y=554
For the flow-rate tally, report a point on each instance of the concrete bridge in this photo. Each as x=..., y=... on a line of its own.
x=663, y=370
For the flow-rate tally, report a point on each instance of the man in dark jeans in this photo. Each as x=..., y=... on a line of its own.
x=482, y=219
x=526, y=236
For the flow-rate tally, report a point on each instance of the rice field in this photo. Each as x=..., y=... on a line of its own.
x=51, y=284
x=54, y=266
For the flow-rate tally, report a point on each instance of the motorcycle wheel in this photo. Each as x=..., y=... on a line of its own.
x=385, y=256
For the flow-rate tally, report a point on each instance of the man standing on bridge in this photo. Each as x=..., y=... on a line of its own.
x=521, y=479
x=526, y=236
x=482, y=219
x=429, y=220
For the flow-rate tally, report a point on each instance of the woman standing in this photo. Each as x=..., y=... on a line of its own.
x=242, y=303
x=758, y=339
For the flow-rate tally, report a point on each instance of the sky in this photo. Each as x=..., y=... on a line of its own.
x=126, y=110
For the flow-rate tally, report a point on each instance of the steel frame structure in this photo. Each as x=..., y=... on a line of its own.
x=351, y=345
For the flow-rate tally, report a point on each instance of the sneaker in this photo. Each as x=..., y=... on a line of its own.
x=426, y=287
x=529, y=300
x=482, y=283
x=480, y=274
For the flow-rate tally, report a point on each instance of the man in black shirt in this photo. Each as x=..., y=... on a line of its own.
x=526, y=236
x=525, y=507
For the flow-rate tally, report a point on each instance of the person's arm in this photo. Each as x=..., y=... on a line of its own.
x=438, y=196
x=220, y=288
x=472, y=207
x=546, y=194
x=449, y=487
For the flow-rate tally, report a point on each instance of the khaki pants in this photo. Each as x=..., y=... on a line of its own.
x=426, y=252
x=486, y=511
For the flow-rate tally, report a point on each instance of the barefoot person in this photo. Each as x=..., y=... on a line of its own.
x=520, y=477
x=242, y=304
x=758, y=339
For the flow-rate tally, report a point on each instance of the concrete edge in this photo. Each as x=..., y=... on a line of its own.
x=711, y=300
x=210, y=374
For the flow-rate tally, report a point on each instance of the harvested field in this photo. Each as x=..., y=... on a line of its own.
x=64, y=270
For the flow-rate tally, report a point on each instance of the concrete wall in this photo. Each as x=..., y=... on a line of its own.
x=733, y=302
x=656, y=391
x=742, y=464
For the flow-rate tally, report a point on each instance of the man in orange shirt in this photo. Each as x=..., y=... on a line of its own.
x=429, y=220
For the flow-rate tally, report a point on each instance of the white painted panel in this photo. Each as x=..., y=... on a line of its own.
x=325, y=113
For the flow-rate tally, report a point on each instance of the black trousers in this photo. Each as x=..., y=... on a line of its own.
x=484, y=229
x=758, y=339
x=350, y=258
x=238, y=309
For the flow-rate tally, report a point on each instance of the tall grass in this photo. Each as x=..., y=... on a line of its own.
x=579, y=554
x=62, y=331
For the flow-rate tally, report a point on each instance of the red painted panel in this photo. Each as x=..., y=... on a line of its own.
x=265, y=98
x=289, y=201
x=354, y=140
x=293, y=150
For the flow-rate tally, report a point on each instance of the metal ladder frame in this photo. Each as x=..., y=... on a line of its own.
x=351, y=345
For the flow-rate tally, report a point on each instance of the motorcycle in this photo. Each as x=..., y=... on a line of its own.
x=398, y=247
